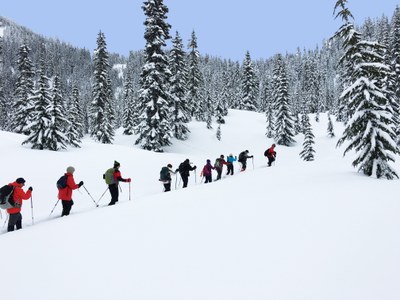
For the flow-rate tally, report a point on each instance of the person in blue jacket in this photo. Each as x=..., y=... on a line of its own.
x=230, y=160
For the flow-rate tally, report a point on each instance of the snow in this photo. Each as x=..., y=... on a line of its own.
x=297, y=230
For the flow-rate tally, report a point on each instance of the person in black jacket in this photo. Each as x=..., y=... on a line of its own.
x=243, y=156
x=184, y=169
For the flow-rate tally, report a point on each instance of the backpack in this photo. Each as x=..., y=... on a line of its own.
x=6, y=197
x=241, y=156
x=266, y=152
x=62, y=182
x=164, y=174
x=217, y=163
x=109, y=176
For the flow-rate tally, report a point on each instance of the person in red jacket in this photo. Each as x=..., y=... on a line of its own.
x=271, y=154
x=15, y=219
x=65, y=194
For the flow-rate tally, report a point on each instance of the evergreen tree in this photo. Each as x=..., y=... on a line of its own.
x=308, y=151
x=155, y=128
x=331, y=133
x=394, y=41
x=370, y=131
x=219, y=112
x=208, y=111
x=249, y=86
x=59, y=124
x=129, y=107
x=194, y=81
x=101, y=113
x=283, y=122
x=219, y=132
x=23, y=106
x=181, y=114
x=75, y=117
x=41, y=117
x=3, y=108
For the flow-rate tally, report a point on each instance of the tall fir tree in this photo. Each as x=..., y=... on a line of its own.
x=40, y=123
x=308, y=151
x=208, y=110
x=249, y=86
x=3, y=107
x=195, y=81
x=101, y=112
x=75, y=118
x=330, y=130
x=59, y=124
x=284, y=132
x=370, y=131
x=129, y=106
x=181, y=114
x=23, y=105
x=155, y=128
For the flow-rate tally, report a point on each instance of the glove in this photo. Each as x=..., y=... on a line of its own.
x=195, y=167
x=251, y=156
x=30, y=188
x=128, y=180
x=80, y=183
x=176, y=170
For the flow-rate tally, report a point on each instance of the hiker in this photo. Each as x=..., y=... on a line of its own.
x=243, y=156
x=15, y=219
x=65, y=194
x=165, y=177
x=271, y=154
x=207, y=171
x=230, y=160
x=219, y=164
x=184, y=169
x=113, y=177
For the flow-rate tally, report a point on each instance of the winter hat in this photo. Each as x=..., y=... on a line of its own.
x=247, y=151
x=208, y=161
x=116, y=164
x=222, y=156
x=186, y=160
x=70, y=169
x=273, y=145
x=20, y=180
x=169, y=166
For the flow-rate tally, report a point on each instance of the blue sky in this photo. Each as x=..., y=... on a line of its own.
x=224, y=28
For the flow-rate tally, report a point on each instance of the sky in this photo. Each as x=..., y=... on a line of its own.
x=297, y=230
x=224, y=28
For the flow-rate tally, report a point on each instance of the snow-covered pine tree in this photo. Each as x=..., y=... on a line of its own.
x=180, y=114
x=129, y=106
x=208, y=110
x=249, y=86
x=41, y=118
x=370, y=131
x=59, y=124
x=101, y=115
x=308, y=151
x=283, y=120
x=218, y=134
x=394, y=42
x=75, y=118
x=330, y=130
x=23, y=105
x=3, y=110
x=194, y=81
x=155, y=128
x=219, y=112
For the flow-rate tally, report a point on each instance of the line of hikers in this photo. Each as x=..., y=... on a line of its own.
x=12, y=195
x=185, y=167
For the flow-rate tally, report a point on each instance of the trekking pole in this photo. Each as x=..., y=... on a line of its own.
x=252, y=160
x=195, y=177
x=33, y=220
x=129, y=191
x=54, y=207
x=91, y=196
x=1, y=215
x=102, y=196
x=120, y=188
x=176, y=179
x=5, y=221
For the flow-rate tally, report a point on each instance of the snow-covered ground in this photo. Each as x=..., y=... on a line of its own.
x=298, y=230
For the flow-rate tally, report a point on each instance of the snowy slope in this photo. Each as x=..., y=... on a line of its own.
x=297, y=230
